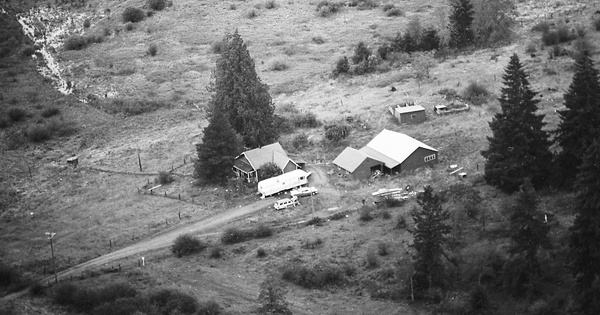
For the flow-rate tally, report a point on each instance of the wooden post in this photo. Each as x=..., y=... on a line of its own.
x=29, y=167
x=179, y=196
x=132, y=236
x=165, y=193
x=167, y=221
x=179, y=214
x=140, y=162
x=412, y=291
x=110, y=243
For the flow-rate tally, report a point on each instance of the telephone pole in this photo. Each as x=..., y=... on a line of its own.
x=50, y=236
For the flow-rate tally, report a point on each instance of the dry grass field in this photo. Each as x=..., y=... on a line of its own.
x=98, y=207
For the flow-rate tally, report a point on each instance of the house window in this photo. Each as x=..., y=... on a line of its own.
x=413, y=116
x=429, y=158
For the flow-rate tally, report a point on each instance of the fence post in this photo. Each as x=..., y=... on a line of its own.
x=140, y=161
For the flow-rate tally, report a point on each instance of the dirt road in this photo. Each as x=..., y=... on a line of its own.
x=161, y=241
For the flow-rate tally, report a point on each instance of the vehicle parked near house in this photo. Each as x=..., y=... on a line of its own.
x=285, y=203
x=303, y=191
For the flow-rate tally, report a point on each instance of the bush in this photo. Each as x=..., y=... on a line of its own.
x=8, y=275
x=16, y=114
x=341, y=66
x=300, y=141
x=36, y=289
x=129, y=26
x=327, y=8
x=365, y=214
x=318, y=276
x=278, y=65
x=306, y=120
x=157, y=5
x=64, y=293
x=152, y=50
x=596, y=24
x=372, y=261
x=543, y=27
x=86, y=23
x=386, y=215
x=50, y=111
x=318, y=40
x=216, y=252
x=401, y=222
x=388, y=6
x=133, y=15
x=336, y=131
x=394, y=12
x=479, y=300
x=476, y=93
x=27, y=50
x=262, y=231
x=270, y=4
x=363, y=4
x=61, y=128
x=218, y=47
x=268, y=170
x=39, y=133
x=261, y=252
x=312, y=243
x=209, y=308
x=4, y=123
x=164, y=178
x=338, y=216
x=186, y=244
x=251, y=14
x=75, y=42
x=170, y=301
x=234, y=235
x=382, y=249
x=361, y=53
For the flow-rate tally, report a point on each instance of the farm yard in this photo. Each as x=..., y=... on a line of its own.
x=133, y=114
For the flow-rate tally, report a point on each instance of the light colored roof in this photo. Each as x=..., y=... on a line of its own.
x=409, y=109
x=392, y=147
x=350, y=159
x=268, y=153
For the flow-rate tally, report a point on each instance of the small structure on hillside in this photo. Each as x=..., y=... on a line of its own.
x=390, y=152
x=454, y=106
x=247, y=164
x=408, y=112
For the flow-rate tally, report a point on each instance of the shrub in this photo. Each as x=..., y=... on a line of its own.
x=550, y=38
x=361, y=53
x=336, y=131
x=341, y=66
x=61, y=128
x=327, y=8
x=8, y=275
x=382, y=249
x=306, y=120
x=312, y=243
x=4, y=123
x=543, y=26
x=164, y=178
x=300, y=141
x=129, y=26
x=372, y=261
x=133, y=15
x=39, y=133
x=365, y=214
x=216, y=252
x=234, y=235
x=36, y=289
x=262, y=231
x=261, y=252
x=27, y=50
x=394, y=12
x=86, y=23
x=479, y=300
x=278, y=65
x=208, y=308
x=232, y=6
x=596, y=24
x=388, y=6
x=318, y=276
x=270, y=4
x=50, y=111
x=338, y=216
x=476, y=93
x=152, y=50
x=157, y=5
x=363, y=4
x=251, y=14
x=64, y=293
x=318, y=40
x=283, y=124
x=218, y=47
x=75, y=42
x=401, y=222
x=386, y=215
x=16, y=114
x=582, y=44
x=186, y=244
x=170, y=301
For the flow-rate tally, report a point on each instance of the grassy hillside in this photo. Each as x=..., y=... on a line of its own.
x=129, y=105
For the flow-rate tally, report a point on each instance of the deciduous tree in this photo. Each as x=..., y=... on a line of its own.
x=240, y=94
x=580, y=119
x=493, y=20
x=429, y=239
x=518, y=148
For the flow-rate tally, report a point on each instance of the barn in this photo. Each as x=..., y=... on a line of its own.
x=395, y=152
x=357, y=163
x=409, y=114
x=247, y=164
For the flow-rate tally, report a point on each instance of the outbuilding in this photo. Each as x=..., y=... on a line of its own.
x=409, y=114
x=357, y=163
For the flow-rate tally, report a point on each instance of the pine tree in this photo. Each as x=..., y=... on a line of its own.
x=461, y=23
x=518, y=148
x=429, y=238
x=240, y=94
x=578, y=120
x=272, y=298
x=219, y=147
x=361, y=53
x=430, y=40
x=585, y=233
x=528, y=231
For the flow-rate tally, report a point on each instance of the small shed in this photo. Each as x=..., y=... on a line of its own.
x=357, y=163
x=409, y=114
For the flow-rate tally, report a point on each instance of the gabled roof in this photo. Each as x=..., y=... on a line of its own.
x=409, y=109
x=392, y=147
x=350, y=159
x=269, y=153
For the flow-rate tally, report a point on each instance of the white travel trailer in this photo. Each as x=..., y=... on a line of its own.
x=273, y=185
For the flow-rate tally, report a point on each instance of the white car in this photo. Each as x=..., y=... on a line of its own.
x=303, y=191
x=284, y=203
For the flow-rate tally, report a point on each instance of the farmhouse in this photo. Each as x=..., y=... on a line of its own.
x=390, y=151
x=409, y=114
x=247, y=164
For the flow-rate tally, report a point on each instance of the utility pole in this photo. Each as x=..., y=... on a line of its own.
x=312, y=203
x=50, y=236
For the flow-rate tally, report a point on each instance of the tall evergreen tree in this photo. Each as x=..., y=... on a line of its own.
x=518, y=148
x=429, y=238
x=579, y=119
x=240, y=94
x=461, y=23
x=219, y=147
x=585, y=232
